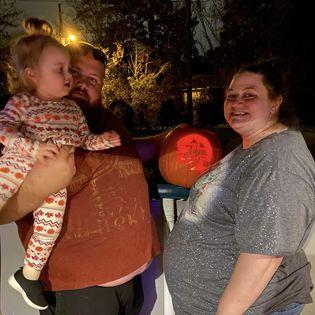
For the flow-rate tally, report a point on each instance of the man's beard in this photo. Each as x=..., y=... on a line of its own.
x=95, y=114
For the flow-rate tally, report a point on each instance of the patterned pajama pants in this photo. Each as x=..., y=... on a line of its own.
x=47, y=219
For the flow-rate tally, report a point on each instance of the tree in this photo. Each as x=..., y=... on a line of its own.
x=94, y=17
x=116, y=85
x=261, y=29
x=9, y=15
x=4, y=67
x=154, y=23
x=136, y=79
x=146, y=93
x=151, y=29
x=209, y=16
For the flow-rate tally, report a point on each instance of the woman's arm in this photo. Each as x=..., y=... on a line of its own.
x=43, y=180
x=251, y=275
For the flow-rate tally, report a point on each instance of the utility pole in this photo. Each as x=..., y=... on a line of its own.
x=188, y=57
x=60, y=21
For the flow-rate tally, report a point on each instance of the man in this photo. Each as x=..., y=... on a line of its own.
x=109, y=237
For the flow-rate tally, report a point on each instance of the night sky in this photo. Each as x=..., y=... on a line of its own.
x=43, y=9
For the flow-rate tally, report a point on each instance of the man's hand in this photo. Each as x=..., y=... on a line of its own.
x=52, y=174
x=46, y=151
x=43, y=180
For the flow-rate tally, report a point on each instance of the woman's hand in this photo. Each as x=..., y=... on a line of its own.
x=44, y=179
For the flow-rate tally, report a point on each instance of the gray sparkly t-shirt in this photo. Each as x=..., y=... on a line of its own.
x=259, y=200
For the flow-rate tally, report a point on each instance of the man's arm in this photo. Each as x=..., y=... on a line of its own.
x=43, y=180
x=251, y=275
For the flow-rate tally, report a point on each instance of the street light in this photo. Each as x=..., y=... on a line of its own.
x=72, y=38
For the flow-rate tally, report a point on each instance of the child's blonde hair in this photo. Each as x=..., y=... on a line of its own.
x=27, y=51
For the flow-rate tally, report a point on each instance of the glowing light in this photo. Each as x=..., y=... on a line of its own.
x=72, y=38
x=186, y=153
x=195, y=152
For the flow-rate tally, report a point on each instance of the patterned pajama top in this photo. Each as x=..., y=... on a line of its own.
x=30, y=120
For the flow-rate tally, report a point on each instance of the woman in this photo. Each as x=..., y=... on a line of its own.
x=237, y=247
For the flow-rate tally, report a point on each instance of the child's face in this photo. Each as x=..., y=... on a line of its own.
x=51, y=76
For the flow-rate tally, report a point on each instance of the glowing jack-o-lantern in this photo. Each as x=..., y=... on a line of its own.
x=186, y=153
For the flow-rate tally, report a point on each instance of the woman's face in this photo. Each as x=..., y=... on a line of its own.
x=247, y=107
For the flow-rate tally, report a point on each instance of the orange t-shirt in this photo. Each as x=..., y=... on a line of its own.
x=108, y=231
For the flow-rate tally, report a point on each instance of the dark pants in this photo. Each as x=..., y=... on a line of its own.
x=125, y=299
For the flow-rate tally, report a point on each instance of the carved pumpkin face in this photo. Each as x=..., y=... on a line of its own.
x=186, y=153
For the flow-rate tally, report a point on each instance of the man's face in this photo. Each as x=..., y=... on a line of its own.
x=88, y=75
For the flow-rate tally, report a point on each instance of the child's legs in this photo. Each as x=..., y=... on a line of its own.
x=46, y=229
x=13, y=170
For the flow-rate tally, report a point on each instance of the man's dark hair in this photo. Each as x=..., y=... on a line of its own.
x=83, y=48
